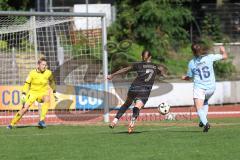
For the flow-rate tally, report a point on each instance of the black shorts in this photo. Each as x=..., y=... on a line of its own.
x=143, y=96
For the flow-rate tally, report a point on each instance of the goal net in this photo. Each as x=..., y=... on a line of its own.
x=75, y=55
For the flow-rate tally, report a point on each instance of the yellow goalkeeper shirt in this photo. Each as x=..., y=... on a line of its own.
x=39, y=81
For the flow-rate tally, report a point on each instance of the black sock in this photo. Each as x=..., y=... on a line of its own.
x=121, y=111
x=136, y=111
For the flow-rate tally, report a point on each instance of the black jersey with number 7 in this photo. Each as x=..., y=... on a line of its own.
x=146, y=73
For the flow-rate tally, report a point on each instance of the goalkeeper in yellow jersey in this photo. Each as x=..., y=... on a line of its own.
x=36, y=88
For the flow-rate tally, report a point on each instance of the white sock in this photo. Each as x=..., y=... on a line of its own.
x=202, y=116
x=133, y=120
x=115, y=120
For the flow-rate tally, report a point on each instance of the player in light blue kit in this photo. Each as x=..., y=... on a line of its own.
x=200, y=69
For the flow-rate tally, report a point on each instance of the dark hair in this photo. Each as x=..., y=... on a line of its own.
x=196, y=49
x=42, y=59
x=146, y=51
x=201, y=46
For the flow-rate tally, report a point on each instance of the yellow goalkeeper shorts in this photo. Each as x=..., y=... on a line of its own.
x=31, y=97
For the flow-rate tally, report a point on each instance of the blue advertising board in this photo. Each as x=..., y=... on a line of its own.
x=89, y=96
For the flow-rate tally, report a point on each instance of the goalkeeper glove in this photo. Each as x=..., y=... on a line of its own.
x=55, y=96
x=23, y=98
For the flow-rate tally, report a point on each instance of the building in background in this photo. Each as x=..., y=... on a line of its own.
x=88, y=6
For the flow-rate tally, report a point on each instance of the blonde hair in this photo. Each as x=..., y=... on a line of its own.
x=41, y=59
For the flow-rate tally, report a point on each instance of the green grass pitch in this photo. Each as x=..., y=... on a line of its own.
x=179, y=140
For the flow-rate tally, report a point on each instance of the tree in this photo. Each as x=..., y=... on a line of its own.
x=156, y=25
x=7, y=5
x=4, y=6
x=211, y=27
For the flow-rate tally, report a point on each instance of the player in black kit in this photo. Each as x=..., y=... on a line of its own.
x=140, y=88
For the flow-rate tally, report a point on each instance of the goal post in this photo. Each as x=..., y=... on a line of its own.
x=76, y=54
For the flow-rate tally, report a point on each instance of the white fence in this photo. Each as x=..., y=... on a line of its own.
x=182, y=94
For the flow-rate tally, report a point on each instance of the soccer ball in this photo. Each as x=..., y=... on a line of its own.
x=163, y=108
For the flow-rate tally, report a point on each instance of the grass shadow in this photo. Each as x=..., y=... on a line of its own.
x=126, y=132
x=30, y=127
x=134, y=132
x=186, y=131
x=26, y=126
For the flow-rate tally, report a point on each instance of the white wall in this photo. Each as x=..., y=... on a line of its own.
x=93, y=23
x=182, y=94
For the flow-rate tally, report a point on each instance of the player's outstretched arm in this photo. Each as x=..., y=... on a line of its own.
x=163, y=70
x=52, y=83
x=223, y=52
x=53, y=86
x=121, y=71
x=186, y=78
x=27, y=84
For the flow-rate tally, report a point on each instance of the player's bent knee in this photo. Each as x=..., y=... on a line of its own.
x=198, y=101
x=24, y=109
x=139, y=104
x=46, y=99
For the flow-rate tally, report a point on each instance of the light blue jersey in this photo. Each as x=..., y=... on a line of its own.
x=202, y=72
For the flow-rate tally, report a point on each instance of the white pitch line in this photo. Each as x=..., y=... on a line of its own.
x=128, y=114
x=54, y=116
x=186, y=113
